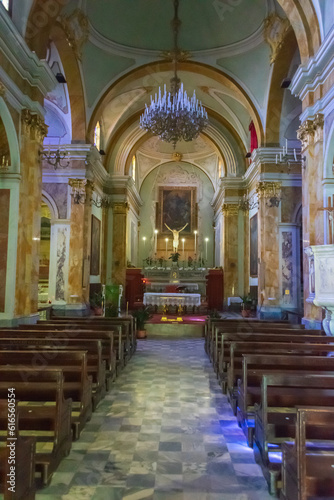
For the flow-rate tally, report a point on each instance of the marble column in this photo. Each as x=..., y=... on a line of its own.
x=310, y=134
x=33, y=131
x=120, y=211
x=104, y=252
x=79, y=246
x=269, y=293
x=230, y=245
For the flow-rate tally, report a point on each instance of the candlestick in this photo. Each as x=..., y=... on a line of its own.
x=183, y=240
x=144, y=240
x=155, y=240
x=195, y=233
x=295, y=154
x=206, y=248
x=127, y=308
x=166, y=240
x=276, y=159
x=286, y=146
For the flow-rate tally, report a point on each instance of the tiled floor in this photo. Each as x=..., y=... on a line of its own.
x=164, y=432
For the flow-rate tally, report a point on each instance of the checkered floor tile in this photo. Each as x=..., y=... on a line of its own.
x=164, y=432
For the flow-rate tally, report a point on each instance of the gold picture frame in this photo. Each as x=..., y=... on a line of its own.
x=176, y=208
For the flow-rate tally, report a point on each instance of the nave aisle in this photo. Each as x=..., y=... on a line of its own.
x=164, y=432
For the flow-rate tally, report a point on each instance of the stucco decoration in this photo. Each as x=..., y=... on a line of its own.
x=76, y=27
x=287, y=268
x=275, y=29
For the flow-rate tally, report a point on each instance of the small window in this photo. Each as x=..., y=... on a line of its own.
x=97, y=136
x=134, y=168
x=6, y=4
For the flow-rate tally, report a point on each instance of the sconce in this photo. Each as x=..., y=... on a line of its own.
x=246, y=204
x=4, y=165
x=55, y=159
x=285, y=158
x=103, y=202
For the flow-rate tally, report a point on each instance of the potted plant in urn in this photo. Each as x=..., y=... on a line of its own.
x=246, y=306
x=96, y=302
x=141, y=315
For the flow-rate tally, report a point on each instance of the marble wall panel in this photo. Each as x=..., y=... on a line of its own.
x=59, y=193
x=4, y=225
x=291, y=200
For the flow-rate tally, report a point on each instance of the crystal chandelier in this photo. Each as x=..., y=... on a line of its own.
x=174, y=116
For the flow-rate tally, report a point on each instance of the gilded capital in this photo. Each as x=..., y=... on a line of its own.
x=230, y=209
x=120, y=208
x=305, y=133
x=268, y=189
x=33, y=125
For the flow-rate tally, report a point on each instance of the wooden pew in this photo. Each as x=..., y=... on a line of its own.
x=49, y=423
x=308, y=464
x=238, y=349
x=128, y=332
x=24, y=462
x=275, y=416
x=227, y=338
x=254, y=366
x=243, y=334
x=77, y=384
x=106, y=338
x=75, y=330
x=223, y=340
x=95, y=366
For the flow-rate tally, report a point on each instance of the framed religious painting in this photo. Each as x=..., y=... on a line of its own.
x=176, y=209
x=253, y=246
x=95, y=247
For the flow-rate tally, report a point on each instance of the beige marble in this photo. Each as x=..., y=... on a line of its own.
x=80, y=244
x=4, y=224
x=311, y=135
x=27, y=269
x=118, y=275
x=230, y=246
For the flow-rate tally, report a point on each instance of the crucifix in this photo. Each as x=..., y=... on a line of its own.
x=176, y=236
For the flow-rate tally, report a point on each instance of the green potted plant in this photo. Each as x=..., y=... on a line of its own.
x=141, y=315
x=246, y=306
x=174, y=257
x=96, y=301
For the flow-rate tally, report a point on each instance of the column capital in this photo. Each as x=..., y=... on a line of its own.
x=305, y=133
x=230, y=209
x=266, y=189
x=120, y=207
x=33, y=125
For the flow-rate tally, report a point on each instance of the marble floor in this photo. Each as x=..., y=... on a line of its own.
x=164, y=432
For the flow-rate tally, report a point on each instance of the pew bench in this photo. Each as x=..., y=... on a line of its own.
x=24, y=463
x=77, y=384
x=308, y=463
x=254, y=366
x=45, y=414
x=275, y=416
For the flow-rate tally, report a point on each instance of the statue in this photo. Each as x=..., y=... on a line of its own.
x=176, y=236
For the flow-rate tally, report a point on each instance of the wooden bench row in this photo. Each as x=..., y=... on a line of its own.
x=267, y=380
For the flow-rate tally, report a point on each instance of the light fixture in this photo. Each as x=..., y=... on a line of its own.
x=60, y=78
x=246, y=204
x=55, y=159
x=285, y=158
x=271, y=192
x=173, y=116
x=4, y=164
x=103, y=202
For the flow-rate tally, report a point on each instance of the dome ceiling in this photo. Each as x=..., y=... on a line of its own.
x=145, y=24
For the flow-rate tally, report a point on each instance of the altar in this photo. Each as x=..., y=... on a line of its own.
x=172, y=299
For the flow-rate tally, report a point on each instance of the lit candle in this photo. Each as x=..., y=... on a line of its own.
x=295, y=154
x=144, y=240
x=206, y=248
x=166, y=240
x=155, y=240
x=183, y=240
x=195, y=233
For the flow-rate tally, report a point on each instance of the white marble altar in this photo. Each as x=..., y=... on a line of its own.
x=172, y=299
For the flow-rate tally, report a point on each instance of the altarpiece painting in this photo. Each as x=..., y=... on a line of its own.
x=176, y=208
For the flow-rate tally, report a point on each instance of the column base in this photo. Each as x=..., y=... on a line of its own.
x=78, y=310
x=312, y=324
x=269, y=312
x=328, y=322
x=19, y=320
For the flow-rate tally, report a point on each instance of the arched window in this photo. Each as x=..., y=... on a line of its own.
x=97, y=136
x=6, y=4
x=134, y=168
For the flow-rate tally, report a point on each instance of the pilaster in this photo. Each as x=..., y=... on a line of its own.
x=230, y=249
x=119, y=226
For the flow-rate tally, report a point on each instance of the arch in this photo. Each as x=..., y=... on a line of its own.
x=305, y=24
x=150, y=70
x=276, y=93
x=47, y=198
x=13, y=142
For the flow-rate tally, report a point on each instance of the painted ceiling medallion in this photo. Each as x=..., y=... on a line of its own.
x=177, y=156
x=174, y=116
x=275, y=29
x=76, y=27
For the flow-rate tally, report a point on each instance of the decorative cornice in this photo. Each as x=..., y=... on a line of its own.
x=37, y=73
